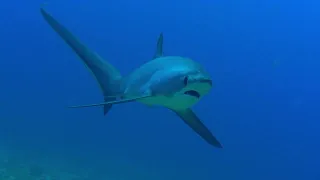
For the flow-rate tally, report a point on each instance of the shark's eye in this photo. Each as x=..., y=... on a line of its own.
x=185, y=80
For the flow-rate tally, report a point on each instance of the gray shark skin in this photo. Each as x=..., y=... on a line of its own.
x=174, y=82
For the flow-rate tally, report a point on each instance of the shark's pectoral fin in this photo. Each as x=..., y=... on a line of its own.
x=191, y=119
x=107, y=103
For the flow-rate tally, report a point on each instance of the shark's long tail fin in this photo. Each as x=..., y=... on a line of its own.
x=107, y=76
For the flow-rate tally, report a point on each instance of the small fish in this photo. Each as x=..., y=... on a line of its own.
x=174, y=82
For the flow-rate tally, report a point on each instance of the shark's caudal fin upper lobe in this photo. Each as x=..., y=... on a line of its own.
x=107, y=76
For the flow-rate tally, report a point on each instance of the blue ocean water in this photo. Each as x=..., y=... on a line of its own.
x=263, y=56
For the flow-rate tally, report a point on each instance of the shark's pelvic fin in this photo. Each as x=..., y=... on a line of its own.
x=126, y=100
x=107, y=107
x=191, y=119
x=159, y=50
x=106, y=75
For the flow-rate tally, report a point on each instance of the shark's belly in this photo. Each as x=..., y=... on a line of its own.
x=178, y=102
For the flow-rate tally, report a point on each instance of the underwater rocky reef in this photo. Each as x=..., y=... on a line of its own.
x=17, y=167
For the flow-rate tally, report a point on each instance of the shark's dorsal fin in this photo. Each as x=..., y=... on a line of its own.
x=159, y=50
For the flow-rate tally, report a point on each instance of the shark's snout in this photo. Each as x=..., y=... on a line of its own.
x=208, y=81
x=193, y=93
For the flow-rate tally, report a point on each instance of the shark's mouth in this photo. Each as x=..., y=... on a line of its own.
x=192, y=93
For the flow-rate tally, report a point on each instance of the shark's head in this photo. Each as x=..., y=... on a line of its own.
x=196, y=84
x=182, y=85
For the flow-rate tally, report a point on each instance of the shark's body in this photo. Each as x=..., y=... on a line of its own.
x=174, y=82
